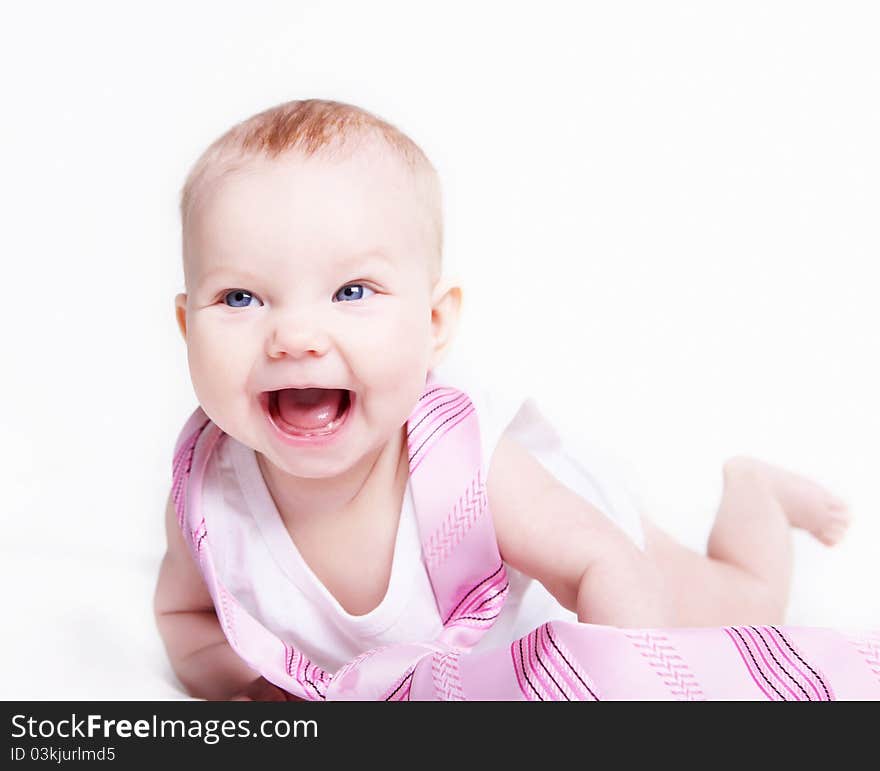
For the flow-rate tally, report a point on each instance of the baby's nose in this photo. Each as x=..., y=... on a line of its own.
x=297, y=339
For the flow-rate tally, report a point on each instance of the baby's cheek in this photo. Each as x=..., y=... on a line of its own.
x=394, y=365
x=408, y=343
x=207, y=362
x=216, y=374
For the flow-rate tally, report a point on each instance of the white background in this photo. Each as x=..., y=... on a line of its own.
x=665, y=216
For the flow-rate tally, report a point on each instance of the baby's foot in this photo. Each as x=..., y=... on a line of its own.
x=807, y=505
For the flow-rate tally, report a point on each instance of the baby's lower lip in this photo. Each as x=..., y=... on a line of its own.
x=301, y=437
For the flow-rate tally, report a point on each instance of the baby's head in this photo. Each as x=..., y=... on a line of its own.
x=312, y=245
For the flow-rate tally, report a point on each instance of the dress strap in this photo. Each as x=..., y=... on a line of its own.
x=448, y=482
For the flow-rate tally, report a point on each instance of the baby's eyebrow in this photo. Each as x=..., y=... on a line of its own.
x=225, y=270
x=366, y=259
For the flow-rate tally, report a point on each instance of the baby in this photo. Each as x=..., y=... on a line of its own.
x=315, y=310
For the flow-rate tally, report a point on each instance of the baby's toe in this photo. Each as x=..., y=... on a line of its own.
x=833, y=531
x=835, y=503
x=839, y=511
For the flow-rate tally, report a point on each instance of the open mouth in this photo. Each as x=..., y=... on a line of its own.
x=305, y=412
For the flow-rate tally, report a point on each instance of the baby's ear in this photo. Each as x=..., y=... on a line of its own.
x=445, y=312
x=180, y=312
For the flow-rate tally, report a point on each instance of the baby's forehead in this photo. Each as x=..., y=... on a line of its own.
x=302, y=197
x=338, y=207
x=361, y=180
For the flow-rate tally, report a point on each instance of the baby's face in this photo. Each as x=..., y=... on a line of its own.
x=309, y=273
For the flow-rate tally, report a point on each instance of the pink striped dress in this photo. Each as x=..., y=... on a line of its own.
x=556, y=660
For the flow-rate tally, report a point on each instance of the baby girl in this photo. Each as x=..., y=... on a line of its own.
x=315, y=312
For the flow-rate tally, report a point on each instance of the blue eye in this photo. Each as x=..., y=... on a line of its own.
x=352, y=292
x=239, y=295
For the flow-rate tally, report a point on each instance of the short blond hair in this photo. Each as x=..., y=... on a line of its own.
x=315, y=127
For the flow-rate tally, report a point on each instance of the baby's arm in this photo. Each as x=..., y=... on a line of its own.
x=551, y=533
x=201, y=657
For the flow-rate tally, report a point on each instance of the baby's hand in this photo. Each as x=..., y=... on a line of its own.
x=262, y=690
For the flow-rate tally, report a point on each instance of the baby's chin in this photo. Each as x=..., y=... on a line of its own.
x=324, y=463
x=306, y=468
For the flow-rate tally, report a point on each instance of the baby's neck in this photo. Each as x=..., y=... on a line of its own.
x=376, y=482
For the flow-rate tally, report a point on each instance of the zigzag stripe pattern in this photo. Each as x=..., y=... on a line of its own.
x=467, y=510
x=547, y=671
x=358, y=660
x=313, y=679
x=482, y=604
x=869, y=647
x=446, y=676
x=670, y=667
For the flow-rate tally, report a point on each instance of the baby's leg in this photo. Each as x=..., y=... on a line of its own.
x=746, y=575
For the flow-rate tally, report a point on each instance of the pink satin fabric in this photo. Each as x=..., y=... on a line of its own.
x=558, y=660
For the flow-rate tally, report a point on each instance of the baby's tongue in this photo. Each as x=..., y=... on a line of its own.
x=309, y=407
